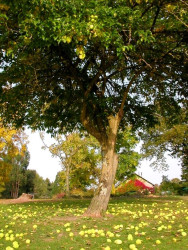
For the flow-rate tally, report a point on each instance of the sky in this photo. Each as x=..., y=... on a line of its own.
x=48, y=166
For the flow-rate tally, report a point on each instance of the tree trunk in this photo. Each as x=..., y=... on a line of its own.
x=17, y=188
x=101, y=198
x=67, y=181
x=99, y=203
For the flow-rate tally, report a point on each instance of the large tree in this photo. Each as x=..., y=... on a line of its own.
x=94, y=65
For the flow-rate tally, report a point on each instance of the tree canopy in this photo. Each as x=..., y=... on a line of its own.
x=81, y=61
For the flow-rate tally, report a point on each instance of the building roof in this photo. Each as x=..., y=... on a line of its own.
x=144, y=179
x=126, y=179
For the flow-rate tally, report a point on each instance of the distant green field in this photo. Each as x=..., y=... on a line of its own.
x=150, y=223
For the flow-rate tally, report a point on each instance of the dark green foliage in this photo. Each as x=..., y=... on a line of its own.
x=29, y=184
x=58, y=56
x=174, y=186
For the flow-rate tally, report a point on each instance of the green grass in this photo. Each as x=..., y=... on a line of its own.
x=149, y=219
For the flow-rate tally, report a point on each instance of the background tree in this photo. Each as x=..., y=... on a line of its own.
x=175, y=180
x=7, y=193
x=29, y=183
x=97, y=65
x=174, y=186
x=17, y=177
x=79, y=157
x=12, y=152
x=49, y=187
x=128, y=157
x=18, y=173
x=7, y=150
x=184, y=175
x=84, y=159
x=40, y=187
x=165, y=184
x=58, y=185
x=167, y=137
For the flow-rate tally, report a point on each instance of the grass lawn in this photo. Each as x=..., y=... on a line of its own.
x=131, y=223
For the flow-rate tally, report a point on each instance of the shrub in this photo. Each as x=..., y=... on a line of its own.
x=133, y=186
x=77, y=193
x=127, y=187
x=89, y=193
x=59, y=196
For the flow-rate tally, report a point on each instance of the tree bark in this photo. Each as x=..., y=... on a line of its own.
x=67, y=181
x=15, y=190
x=99, y=203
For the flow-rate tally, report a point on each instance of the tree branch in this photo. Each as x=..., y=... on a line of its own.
x=88, y=124
x=104, y=85
x=146, y=10
x=120, y=112
x=183, y=2
x=178, y=18
x=155, y=18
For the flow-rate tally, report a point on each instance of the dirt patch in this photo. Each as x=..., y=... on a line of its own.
x=23, y=198
x=66, y=218
x=185, y=197
x=19, y=200
x=13, y=201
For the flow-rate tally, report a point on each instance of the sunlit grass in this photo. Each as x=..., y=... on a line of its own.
x=129, y=224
